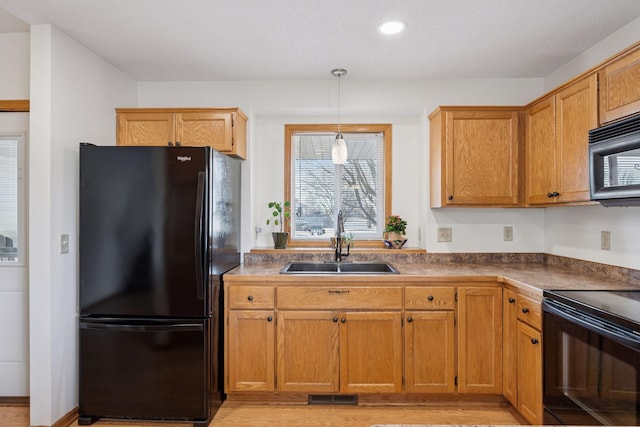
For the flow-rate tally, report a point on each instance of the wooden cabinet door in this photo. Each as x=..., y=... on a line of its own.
x=480, y=340
x=529, y=373
x=308, y=351
x=145, y=128
x=576, y=114
x=619, y=87
x=430, y=352
x=510, y=347
x=371, y=352
x=205, y=128
x=541, y=156
x=482, y=155
x=250, y=365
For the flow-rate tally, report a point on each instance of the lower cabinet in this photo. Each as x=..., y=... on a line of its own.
x=522, y=355
x=529, y=373
x=336, y=337
x=308, y=351
x=348, y=352
x=332, y=338
x=429, y=336
x=510, y=347
x=250, y=365
x=249, y=361
x=371, y=352
x=480, y=340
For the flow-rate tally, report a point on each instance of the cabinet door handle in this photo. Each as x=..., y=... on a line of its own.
x=556, y=194
x=177, y=143
x=430, y=297
x=170, y=144
x=409, y=319
x=549, y=195
x=343, y=320
x=512, y=300
x=250, y=297
x=338, y=291
x=269, y=319
x=450, y=197
x=525, y=310
x=534, y=341
x=335, y=319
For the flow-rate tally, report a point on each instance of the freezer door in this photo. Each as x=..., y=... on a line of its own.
x=146, y=370
x=143, y=245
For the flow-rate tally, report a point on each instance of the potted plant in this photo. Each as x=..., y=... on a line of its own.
x=394, y=228
x=280, y=212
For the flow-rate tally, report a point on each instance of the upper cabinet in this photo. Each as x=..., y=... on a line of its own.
x=557, y=144
x=475, y=156
x=620, y=86
x=223, y=129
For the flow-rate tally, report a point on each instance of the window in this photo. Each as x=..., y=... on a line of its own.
x=318, y=189
x=12, y=195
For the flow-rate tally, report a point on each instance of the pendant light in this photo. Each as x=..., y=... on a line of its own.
x=339, y=149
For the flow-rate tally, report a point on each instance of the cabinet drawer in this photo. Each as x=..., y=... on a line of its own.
x=530, y=312
x=248, y=297
x=426, y=298
x=339, y=297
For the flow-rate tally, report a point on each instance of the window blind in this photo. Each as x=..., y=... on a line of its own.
x=320, y=189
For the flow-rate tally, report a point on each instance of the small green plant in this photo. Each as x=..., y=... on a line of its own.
x=395, y=223
x=281, y=213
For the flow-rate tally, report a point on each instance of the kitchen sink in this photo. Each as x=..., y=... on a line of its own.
x=339, y=268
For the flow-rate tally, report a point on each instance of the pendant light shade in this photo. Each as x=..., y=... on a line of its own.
x=339, y=150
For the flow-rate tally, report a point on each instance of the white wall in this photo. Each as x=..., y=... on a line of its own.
x=14, y=71
x=404, y=104
x=73, y=97
x=575, y=231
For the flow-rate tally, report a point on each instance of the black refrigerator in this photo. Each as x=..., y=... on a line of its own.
x=159, y=226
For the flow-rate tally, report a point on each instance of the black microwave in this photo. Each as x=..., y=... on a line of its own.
x=614, y=163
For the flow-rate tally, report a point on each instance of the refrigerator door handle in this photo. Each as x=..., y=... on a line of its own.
x=197, y=238
x=125, y=327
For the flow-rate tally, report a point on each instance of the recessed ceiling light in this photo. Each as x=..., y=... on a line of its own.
x=392, y=27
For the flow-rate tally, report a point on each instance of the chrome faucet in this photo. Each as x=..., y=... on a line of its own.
x=339, y=232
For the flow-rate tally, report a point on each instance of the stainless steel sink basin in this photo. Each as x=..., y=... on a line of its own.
x=339, y=268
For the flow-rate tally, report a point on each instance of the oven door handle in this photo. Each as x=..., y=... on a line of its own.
x=598, y=326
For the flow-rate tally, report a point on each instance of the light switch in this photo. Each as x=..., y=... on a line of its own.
x=64, y=243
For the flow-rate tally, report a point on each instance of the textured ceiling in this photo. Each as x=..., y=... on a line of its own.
x=304, y=39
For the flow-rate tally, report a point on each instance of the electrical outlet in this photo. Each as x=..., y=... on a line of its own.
x=605, y=240
x=444, y=234
x=507, y=233
x=64, y=243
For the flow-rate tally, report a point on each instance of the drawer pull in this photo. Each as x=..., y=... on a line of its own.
x=338, y=291
x=525, y=310
x=534, y=341
x=512, y=300
x=430, y=297
x=250, y=297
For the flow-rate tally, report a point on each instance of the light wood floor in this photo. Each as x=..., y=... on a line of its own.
x=235, y=414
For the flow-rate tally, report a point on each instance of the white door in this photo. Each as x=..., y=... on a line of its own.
x=14, y=295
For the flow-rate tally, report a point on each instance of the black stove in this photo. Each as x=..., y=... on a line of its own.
x=591, y=342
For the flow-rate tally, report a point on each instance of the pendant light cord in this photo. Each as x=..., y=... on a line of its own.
x=339, y=72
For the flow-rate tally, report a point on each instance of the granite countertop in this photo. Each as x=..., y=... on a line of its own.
x=532, y=278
